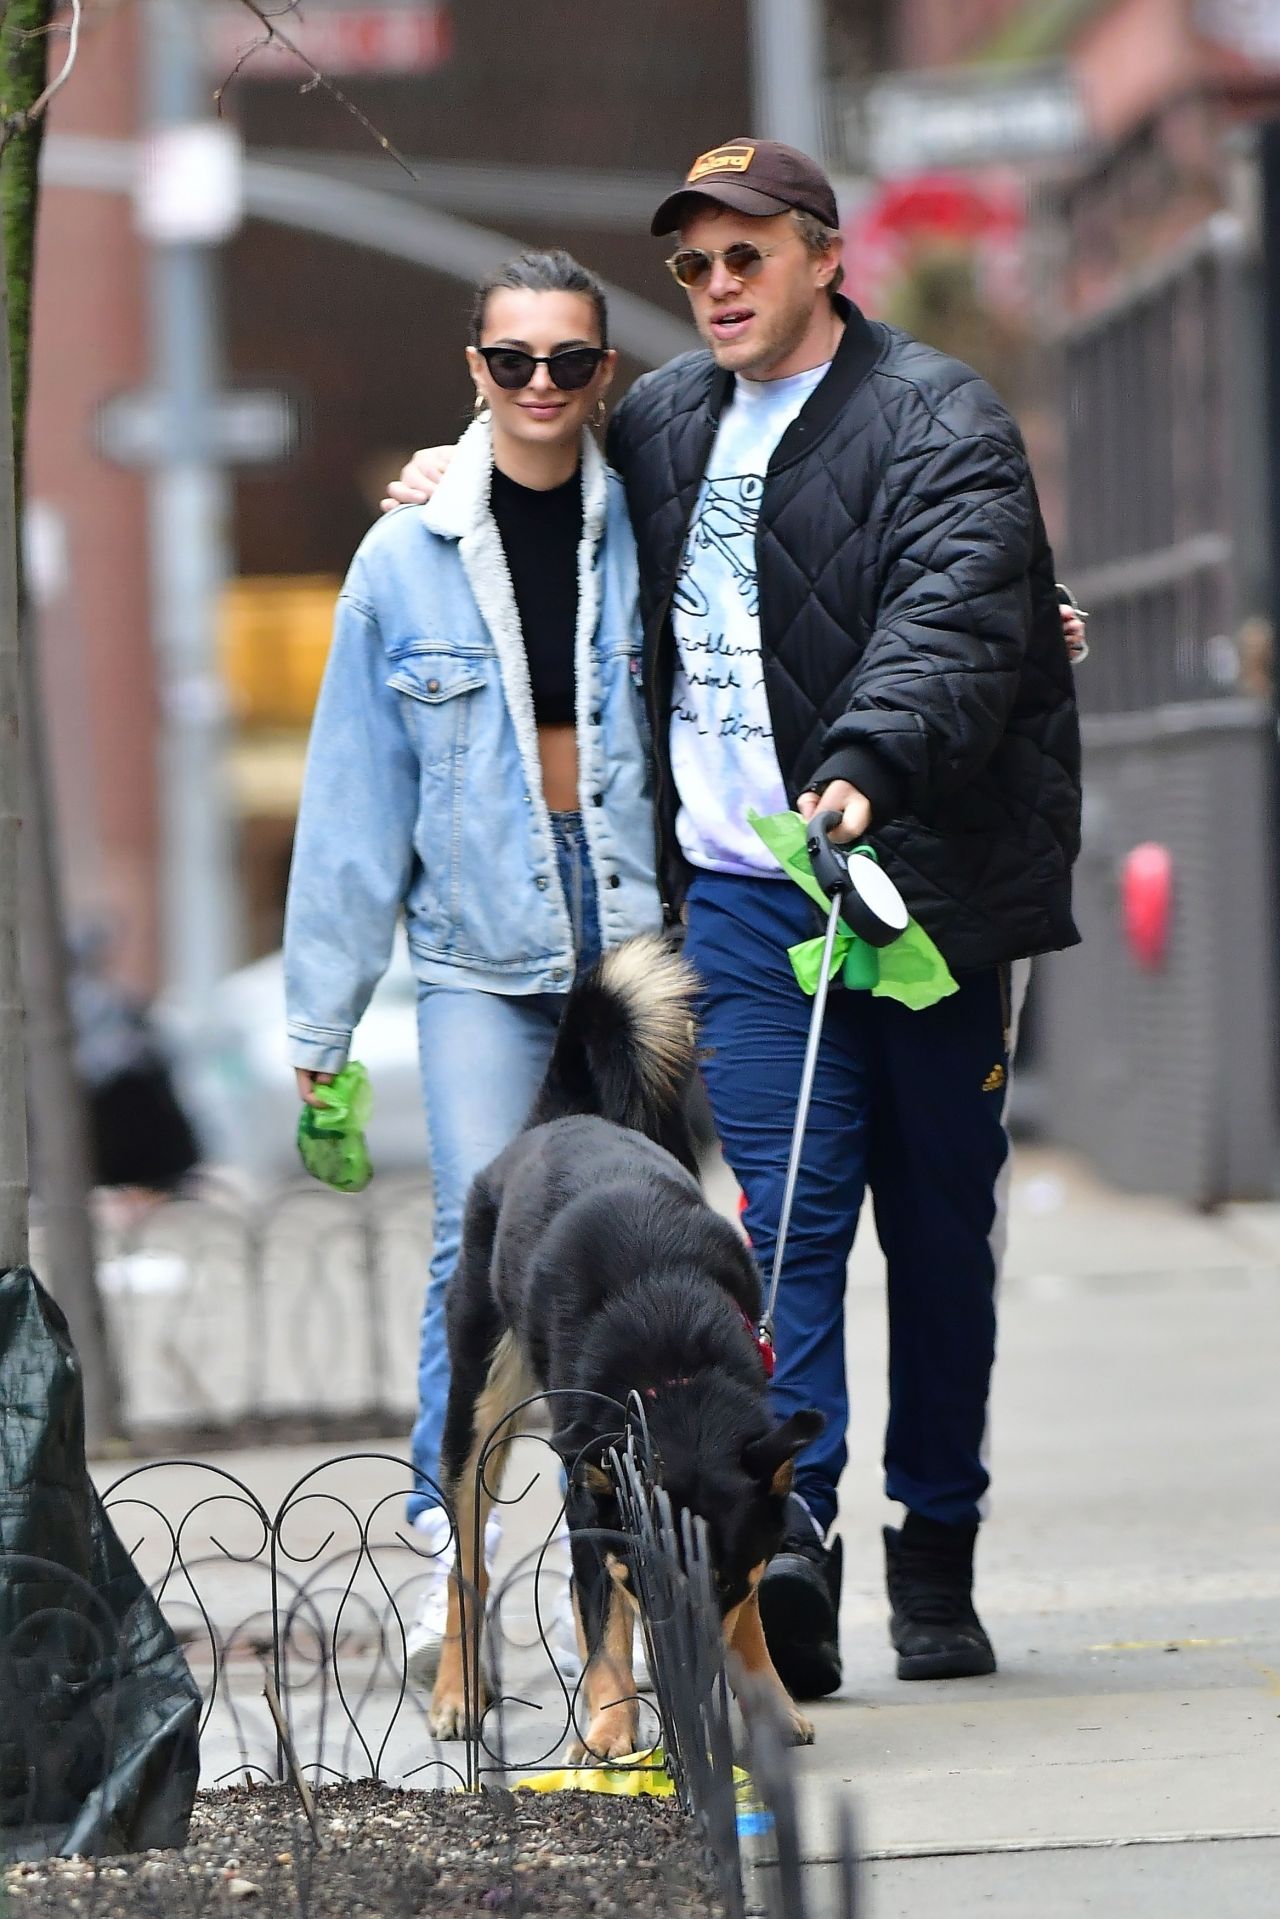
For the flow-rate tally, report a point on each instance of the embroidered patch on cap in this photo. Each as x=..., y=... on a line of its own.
x=721, y=160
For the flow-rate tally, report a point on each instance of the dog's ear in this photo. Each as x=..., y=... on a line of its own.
x=771, y=1460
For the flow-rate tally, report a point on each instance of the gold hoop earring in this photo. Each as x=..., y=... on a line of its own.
x=480, y=406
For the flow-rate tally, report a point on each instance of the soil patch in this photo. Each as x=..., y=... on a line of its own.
x=395, y=1855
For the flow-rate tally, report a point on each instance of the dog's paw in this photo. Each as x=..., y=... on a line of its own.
x=612, y=1734
x=799, y=1729
x=448, y=1716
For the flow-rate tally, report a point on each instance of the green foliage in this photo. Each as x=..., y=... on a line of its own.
x=939, y=298
x=1040, y=30
x=24, y=61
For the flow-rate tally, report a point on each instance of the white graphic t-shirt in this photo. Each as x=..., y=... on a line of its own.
x=722, y=753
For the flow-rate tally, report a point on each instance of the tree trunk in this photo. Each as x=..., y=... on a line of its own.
x=13, y=1102
x=61, y=1161
x=60, y=1137
x=24, y=63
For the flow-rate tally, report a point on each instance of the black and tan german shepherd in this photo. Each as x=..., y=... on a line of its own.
x=592, y=1264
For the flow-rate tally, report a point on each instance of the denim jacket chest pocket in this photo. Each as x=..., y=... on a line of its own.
x=438, y=692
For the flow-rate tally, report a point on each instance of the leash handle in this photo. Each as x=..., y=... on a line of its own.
x=830, y=863
x=870, y=904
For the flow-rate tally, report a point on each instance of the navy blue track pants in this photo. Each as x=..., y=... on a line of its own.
x=910, y=1104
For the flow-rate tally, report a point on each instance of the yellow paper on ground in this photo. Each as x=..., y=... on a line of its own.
x=633, y=1777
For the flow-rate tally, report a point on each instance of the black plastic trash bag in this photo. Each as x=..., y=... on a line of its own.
x=138, y=1131
x=99, y=1712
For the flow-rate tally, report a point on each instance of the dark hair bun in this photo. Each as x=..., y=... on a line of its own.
x=552, y=272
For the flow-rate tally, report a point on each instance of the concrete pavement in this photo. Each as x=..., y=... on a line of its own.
x=1126, y=1758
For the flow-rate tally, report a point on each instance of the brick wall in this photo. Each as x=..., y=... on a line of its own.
x=90, y=341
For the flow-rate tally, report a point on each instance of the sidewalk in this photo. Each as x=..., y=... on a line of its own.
x=1126, y=1759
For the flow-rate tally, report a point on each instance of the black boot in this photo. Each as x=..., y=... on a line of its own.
x=800, y=1608
x=934, y=1629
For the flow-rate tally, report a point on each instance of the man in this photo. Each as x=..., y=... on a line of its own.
x=849, y=606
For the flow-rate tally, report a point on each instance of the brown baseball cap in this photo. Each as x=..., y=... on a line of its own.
x=759, y=177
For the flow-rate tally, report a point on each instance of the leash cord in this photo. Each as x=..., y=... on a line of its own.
x=802, y=1108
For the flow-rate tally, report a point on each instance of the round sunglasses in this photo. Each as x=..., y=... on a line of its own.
x=693, y=266
x=571, y=367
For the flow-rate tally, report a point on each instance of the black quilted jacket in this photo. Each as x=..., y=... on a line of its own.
x=911, y=635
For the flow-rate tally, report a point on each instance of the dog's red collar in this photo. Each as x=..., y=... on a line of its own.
x=684, y=1379
x=763, y=1339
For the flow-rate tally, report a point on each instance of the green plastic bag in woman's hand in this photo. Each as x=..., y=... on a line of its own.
x=331, y=1136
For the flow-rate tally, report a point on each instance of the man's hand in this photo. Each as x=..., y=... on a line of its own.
x=1074, y=634
x=853, y=807
x=419, y=480
x=307, y=1083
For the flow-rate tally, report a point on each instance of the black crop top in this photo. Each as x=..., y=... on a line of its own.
x=541, y=533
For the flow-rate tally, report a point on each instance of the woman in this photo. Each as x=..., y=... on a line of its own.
x=476, y=763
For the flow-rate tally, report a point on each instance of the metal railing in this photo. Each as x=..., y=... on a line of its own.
x=299, y=1309
x=1163, y=478
x=1162, y=1070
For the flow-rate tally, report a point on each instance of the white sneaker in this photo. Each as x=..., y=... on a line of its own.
x=560, y=1631
x=557, y=1619
x=564, y=1634
x=425, y=1637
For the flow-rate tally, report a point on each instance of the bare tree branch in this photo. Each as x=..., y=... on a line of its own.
x=60, y=80
x=267, y=18
x=15, y=123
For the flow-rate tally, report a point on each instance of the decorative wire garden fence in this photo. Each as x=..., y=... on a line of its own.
x=297, y=1313
x=315, y=1599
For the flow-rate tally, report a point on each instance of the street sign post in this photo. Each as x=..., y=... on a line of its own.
x=249, y=427
x=190, y=185
x=914, y=122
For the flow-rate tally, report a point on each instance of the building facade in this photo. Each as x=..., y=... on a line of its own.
x=563, y=134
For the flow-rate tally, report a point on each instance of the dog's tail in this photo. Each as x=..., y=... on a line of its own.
x=625, y=1050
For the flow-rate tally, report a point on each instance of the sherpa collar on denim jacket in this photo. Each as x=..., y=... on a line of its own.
x=461, y=510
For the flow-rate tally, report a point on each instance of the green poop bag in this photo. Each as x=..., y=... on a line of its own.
x=331, y=1136
x=910, y=969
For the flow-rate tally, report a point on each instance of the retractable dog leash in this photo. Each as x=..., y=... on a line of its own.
x=863, y=895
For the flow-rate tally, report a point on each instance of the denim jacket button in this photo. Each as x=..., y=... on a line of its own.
x=596, y=717
x=597, y=799
x=543, y=882
x=433, y=686
x=614, y=880
x=557, y=973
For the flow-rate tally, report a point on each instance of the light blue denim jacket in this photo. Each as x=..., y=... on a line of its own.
x=423, y=789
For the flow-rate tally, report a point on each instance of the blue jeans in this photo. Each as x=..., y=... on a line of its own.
x=483, y=1057
x=910, y=1104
